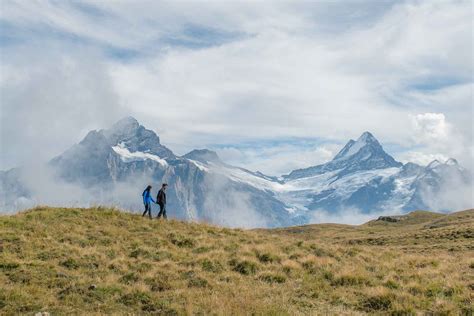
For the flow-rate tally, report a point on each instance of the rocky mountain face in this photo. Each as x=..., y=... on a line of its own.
x=112, y=166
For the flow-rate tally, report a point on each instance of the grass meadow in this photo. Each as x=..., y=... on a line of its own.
x=103, y=261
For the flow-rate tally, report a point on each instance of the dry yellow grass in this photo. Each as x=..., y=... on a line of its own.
x=102, y=261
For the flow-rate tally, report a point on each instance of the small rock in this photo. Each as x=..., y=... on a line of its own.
x=392, y=219
x=42, y=314
x=92, y=287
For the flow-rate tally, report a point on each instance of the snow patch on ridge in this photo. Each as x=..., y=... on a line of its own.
x=401, y=194
x=298, y=193
x=199, y=165
x=347, y=185
x=128, y=156
x=241, y=175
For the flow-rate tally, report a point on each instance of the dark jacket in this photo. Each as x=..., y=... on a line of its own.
x=161, y=197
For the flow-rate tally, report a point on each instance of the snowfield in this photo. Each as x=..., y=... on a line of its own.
x=128, y=156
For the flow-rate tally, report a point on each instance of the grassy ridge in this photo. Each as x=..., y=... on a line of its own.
x=96, y=261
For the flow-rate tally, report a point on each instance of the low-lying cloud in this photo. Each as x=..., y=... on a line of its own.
x=222, y=203
x=228, y=206
x=40, y=186
x=347, y=215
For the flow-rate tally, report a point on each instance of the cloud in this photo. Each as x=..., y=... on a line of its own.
x=454, y=193
x=232, y=72
x=225, y=205
x=141, y=24
x=39, y=185
x=431, y=127
x=278, y=83
x=50, y=98
x=278, y=158
x=436, y=138
x=347, y=215
x=421, y=158
x=457, y=137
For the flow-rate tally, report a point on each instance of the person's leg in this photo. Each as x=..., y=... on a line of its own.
x=162, y=206
x=149, y=210
x=164, y=212
x=146, y=209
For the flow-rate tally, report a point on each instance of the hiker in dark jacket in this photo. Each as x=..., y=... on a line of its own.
x=147, y=199
x=161, y=200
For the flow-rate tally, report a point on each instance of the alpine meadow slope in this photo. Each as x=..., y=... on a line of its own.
x=102, y=261
x=112, y=166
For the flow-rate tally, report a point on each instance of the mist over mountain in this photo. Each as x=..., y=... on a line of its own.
x=112, y=166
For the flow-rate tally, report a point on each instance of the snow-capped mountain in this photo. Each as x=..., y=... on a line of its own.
x=112, y=166
x=363, y=176
x=364, y=154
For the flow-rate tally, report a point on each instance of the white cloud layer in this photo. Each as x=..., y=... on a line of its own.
x=233, y=72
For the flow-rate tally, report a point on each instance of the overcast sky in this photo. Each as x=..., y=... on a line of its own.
x=271, y=86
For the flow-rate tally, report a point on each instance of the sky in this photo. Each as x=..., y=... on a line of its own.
x=270, y=85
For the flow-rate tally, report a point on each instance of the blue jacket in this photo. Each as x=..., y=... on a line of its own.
x=147, y=197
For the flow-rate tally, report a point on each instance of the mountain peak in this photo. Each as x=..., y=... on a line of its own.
x=435, y=163
x=136, y=138
x=127, y=129
x=203, y=155
x=93, y=137
x=452, y=162
x=353, y=147
x=366, y=137
x=127, y=123
x=365, y=153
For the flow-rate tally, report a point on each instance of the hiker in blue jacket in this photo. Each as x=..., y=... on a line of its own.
x=147, y=199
